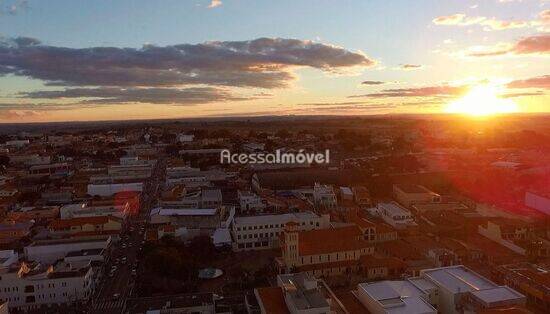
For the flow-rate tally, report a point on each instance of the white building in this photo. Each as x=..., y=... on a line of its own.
x=298, y=293
x=262, y=232
x=31, y=286
x=185, y=138
x=250, y=201
x=49, y=251
x=447, y=290
x=395, y=215
x=82, y=210
x=323, y=196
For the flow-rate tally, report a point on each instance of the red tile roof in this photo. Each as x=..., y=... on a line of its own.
x=60, y=224
x=323, y=241
x=273, y=300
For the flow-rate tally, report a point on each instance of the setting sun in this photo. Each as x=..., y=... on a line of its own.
x=482, y=101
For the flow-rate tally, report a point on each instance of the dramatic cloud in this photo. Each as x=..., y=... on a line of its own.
x=214, y=3
x=534, y=82
x=116, y=95
x=264, y=63
x=428, y=91
x=372, y=82
x=533, y=45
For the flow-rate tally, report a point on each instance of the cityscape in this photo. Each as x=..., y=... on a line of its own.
x=274, y=157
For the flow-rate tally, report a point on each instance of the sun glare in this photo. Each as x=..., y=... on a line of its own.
x=482, y=101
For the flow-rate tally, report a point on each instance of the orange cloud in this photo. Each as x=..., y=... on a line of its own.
x=532, y=45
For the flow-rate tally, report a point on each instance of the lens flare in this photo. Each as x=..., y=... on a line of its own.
x=482, y=101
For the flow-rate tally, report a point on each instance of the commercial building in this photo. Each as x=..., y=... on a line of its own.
x=27, y=286
x=263, y=231
x=85, y=224
x=446, y=290
x=49, y=251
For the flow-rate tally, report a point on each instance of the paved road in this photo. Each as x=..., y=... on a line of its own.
x=115, y=289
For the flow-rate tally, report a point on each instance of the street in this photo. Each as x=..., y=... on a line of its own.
x=121, y=267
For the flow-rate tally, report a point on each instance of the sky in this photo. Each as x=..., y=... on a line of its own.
x=79, y=60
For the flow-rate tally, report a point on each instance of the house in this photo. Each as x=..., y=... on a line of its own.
x=85, y=224
x=28, y=213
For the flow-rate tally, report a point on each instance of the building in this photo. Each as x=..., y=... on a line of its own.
x=507, y=232
x=185, y=138
x=33, y=213
x=445, y=290
x=539, y=201
x=191, y=222
x=204, y=303
x=14, y=231
x=250, y=201
x=263, y=231
x=49, y=251
x=324, y=196
x=298, y=293
x=85, y=224
x=27, y=286
x=395, y=215
x=411, y=194
x=533, y=280
x=112, y=189
x=393, y=297
x=361, y=196
x=346, y=194
x=323, y=252
x=54, y=170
